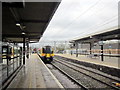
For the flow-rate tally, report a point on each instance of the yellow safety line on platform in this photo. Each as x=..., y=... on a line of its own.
x=58, y=83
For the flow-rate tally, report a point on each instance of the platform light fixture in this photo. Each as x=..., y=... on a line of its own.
x=17, y=24
x=101, y=43
x=32, y=41
x=116, y=35
x=23, y=33
x=91, y=37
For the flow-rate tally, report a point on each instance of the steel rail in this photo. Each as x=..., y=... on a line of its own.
x=89, y=76
x=71, y=78
x=90, y=70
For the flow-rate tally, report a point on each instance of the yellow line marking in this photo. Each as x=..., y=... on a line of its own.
x=58, y=83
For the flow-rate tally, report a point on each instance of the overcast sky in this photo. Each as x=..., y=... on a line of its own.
x=76, y=18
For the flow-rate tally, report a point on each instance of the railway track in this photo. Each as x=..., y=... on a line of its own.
x=116, y=79
x=97, y=78
x=82, y=67
x=71, y=78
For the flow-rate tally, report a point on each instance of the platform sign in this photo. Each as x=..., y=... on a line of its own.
x=101, y=43
x=110, y=46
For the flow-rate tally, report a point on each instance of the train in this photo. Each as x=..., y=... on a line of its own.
x=46, y=54
x=11, y=51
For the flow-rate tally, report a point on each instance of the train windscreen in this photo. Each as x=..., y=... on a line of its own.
x=48, y=49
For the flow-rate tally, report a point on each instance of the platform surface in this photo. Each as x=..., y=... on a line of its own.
x=108, y=61
x=35, y=75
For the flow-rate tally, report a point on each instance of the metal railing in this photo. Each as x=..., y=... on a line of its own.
x=9, y=67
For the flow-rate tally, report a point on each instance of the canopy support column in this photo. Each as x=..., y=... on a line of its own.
x=76, y=49
x=27, y=49
x=102, y=59
x=23, y=50
x=90, y=48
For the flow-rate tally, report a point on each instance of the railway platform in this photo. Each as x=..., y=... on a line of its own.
x=108, y=61
x=34, y=74
x=110, y=65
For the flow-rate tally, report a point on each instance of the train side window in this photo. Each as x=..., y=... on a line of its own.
x=10, y=50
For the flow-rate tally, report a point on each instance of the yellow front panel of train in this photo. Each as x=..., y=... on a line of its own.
x=52, y=54
x=43, y=54
x=47, y=55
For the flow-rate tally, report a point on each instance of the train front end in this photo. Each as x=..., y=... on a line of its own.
x=46, y=54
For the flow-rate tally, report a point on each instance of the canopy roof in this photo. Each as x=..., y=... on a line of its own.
x=33, y=18
x=109, y=34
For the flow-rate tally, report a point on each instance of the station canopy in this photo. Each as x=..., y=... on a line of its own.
x=108, y=34
x=26, y=19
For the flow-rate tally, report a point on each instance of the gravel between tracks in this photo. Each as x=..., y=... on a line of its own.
x=85, y=80
x=105, y=78
x=66, y=82
x=91, y=69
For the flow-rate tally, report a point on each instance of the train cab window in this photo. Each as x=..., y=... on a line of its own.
x=4, y=50
x=48, y=49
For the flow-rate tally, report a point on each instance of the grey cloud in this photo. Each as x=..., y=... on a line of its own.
x=68, y=22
